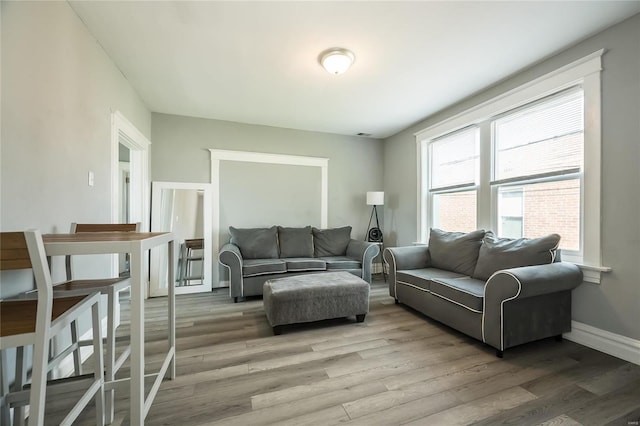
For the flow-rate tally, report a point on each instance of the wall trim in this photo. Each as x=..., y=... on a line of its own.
x=218, y=155
x=613, y=344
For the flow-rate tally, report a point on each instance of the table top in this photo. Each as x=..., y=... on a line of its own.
x=102, y=242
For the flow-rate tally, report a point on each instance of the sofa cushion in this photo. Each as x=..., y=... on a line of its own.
x=295, y=242
x=331, y=242
x=422, y=277
x=253, y=267
x=455, y=251
x=466, y=291
x=341, y=262
x=255, y=243
x=305, y=264
x=504, y=253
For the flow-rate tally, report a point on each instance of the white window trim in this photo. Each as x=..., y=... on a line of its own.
x=585, y=71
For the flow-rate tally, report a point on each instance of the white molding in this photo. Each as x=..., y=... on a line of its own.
x=218, y=155
x=613, y=344
x=139, y=198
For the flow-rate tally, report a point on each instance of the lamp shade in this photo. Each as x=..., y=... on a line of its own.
x=375, y=198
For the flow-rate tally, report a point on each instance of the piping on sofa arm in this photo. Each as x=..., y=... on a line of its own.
x=521, y=283
x=231, y=258
x=365, y=252
x=399, y=258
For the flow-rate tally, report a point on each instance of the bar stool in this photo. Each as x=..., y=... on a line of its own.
x=109, y=287
x=25, y=322
x=185, y=259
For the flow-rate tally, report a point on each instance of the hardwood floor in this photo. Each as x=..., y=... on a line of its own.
x=398, y=367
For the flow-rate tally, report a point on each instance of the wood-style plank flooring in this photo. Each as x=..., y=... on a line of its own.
x=398, y=367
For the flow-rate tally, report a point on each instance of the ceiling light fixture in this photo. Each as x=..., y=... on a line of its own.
x=336, y=60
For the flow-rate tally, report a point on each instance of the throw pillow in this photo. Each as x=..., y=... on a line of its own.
x=331, y=242
x=295, y=242
x=504, y=253
x=255, y=243
x=455, y=251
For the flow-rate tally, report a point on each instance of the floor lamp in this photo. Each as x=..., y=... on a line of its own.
x=374, y=198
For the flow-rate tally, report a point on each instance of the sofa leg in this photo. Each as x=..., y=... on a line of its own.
x=277, y=330
x=499, y=353
x=396, y=300
x=558, y=338
x=235, y=300
x=360, y=318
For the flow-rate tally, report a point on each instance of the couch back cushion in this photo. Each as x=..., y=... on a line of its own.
x=295, y=242
x=455, y=251
x=504, y=253
x=331, y=242
x=256, y=243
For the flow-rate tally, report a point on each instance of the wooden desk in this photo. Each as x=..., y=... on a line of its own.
x=135, y=243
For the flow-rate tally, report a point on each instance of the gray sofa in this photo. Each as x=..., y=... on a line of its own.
x=503, y=292
x=255, y=255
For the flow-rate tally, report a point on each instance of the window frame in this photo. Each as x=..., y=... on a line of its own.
x=584, y=72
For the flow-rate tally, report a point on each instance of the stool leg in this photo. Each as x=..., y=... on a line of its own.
x=5, y=415
x=19, y=382
x=111, y=349
x=77, y=360
x=98, y=364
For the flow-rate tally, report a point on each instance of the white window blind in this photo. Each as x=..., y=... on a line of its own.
x=546, y=139
x=454, y=160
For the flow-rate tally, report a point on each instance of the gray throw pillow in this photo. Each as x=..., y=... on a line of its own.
x=504, y=253
x=331, y=242
x=255, y=243
x=295, y=242
x=455, y=251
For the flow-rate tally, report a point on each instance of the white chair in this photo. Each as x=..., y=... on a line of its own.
x=25, y=322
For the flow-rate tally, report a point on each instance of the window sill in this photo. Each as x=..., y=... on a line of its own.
x=592, y=274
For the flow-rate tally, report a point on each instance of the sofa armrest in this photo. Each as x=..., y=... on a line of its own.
x=399, y=258
x=231, y=258
x=365, y=252
x=520, y=283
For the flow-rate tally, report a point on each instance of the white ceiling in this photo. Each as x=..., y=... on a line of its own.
x=257, y=62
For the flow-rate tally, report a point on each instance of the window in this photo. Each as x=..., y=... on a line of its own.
x=453, y=179
x=539, y=157
x=527, y=162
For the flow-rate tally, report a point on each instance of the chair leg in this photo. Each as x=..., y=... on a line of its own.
x=5, y=415
x=39, y=378
x=77, y=359
x=19, y=382
x=111, y=352
x=98, y=365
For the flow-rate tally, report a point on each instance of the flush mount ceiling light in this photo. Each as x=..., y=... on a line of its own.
x=336, y=60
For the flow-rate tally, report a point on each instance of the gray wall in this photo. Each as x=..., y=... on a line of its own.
x=180, y=153
x=614, y=305
x=58, y=91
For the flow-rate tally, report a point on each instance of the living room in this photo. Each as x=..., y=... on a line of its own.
x=60, y=87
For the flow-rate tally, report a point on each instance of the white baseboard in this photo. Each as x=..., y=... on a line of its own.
x=613, y=344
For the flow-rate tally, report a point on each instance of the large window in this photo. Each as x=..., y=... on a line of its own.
x=452, y=180
x=523, y=164
x=538, y=160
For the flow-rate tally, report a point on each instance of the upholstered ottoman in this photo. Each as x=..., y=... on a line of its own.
x=314, y=297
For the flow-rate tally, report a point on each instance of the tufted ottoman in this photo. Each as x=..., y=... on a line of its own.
x=314, y=297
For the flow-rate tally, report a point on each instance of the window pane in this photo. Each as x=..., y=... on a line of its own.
x=455, y=211
x=454, y=159
x=549, y=207
x=548, y=137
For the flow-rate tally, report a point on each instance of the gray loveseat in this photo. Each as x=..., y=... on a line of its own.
x=503, y=292
x=255, y=255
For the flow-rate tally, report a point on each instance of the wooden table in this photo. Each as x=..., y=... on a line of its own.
x=135, y=243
